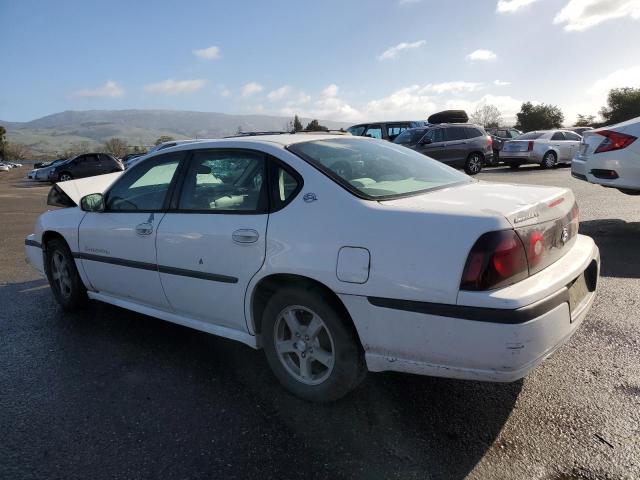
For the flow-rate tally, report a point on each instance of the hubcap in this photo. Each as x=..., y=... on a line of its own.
x=61, y=274
x=474, y=163
x=304, y=345
x=65, y=177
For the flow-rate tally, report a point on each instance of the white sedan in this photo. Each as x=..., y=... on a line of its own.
x=610, y=156
x=335, y=254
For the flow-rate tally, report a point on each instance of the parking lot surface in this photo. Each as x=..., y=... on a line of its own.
x=108, y=393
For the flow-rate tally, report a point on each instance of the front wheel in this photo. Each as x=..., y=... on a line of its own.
x=473, y=164
x=65, y=282
x=64, y=177
x=311, y=348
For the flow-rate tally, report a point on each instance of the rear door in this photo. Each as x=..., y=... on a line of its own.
x=560, y=144
x=213, y=239
x=456, y=146
x=573, y=141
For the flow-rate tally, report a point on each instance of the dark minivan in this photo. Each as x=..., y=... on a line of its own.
x=85, y=165
x=457, y=145
x=384, y=130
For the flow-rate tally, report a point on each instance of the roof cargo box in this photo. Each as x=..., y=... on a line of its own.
x=449, y=116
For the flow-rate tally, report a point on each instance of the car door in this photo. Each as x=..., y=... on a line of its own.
x=212, y=241
x=560, y=144
x=573, y=141
x=432, y=144
x=455, y=149
x=118, y=246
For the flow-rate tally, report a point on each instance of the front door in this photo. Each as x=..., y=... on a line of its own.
x=213, y=240
x=435, y=147
x=117, y=246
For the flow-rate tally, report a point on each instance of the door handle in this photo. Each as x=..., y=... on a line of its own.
x=245, y=235
x=144, y=228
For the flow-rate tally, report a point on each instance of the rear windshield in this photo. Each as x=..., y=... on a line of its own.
x=530, y=136
x=409, y=137
x=377, y=169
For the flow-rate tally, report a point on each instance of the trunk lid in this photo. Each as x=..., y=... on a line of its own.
x=76, y=189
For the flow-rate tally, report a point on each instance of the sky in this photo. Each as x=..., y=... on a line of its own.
x=336, y=59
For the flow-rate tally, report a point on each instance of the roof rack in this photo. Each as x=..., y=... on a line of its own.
x=255, y=134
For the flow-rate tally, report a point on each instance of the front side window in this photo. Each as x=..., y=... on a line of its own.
x=514, y=133
x=356, y=131
x=145, y=186
x=435, y=135
x=374, y=131
x=219, y=180
x=557, y=136
x=409, y=137
x=376, y=170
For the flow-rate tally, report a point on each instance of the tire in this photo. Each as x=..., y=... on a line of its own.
x=473, y=165
x=65, y=282
x=302, y=327
x=549, y=160
x=65, y=176
x=514, y=166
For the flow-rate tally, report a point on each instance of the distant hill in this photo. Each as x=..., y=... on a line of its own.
x=57, y=132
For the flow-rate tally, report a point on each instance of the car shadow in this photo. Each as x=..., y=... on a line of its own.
x=618, y=243
x=106, y=390
x=506, y=169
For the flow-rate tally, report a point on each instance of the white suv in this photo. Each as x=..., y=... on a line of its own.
x=610, y=156
x=336, y=254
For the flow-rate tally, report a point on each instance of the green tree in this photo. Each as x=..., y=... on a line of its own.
x=585, y=121
x=3, y=141
x=314, y=126
x=164, y=138
x=117, y=147
x=487, y=116
x=297, y=124
x=622, y=104
x=538, y=117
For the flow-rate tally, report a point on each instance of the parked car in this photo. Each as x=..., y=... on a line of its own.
x=4, y=167
x=499, y=135
x=610, y=156
x=457, y=145
x=375, y=257
x=384, y=130
x=42, y=174
x=580, y=130
x=85, y=165
x=547, y=148
x=47, y=164
x=162, y=146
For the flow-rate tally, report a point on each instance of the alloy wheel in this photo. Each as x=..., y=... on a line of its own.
x=304, y=345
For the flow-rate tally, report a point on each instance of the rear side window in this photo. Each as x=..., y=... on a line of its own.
x=473, y=132
x=572, y=136
x=285, y=184
x=557, y=136
x=455, y=133
x=374, y=131
x=395, y=130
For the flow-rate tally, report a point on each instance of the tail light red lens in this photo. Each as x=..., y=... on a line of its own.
x=530, y=146
x=614, y=141
x=489, y=141
x=497, y=259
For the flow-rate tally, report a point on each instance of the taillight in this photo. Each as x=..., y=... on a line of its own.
x=497, y=259
x=530, y=146
x=489, y=141
x=613, y=141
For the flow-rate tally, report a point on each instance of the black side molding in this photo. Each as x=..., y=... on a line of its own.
x=214, y=277
x=32, y=243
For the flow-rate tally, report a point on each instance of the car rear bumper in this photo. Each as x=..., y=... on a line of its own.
x=628, y=170
x=481, y=343
x=33, y=251
x=519, y=157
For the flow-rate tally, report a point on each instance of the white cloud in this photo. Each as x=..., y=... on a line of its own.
x=279, y=93
x=110, y=89
x=500, y=83
x=330, y=91
x=251, y=88
x=408, y=101
x=579, y=15
x=451, y=87
x=393, y=52
x=510, y=6
x=625, y=77
x=482, y=55
x=209, y=53
x=225, y=92
x=175, y=87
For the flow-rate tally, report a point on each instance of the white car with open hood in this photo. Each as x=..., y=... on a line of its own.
x=335, y=254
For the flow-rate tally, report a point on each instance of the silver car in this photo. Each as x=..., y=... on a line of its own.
x=547, y=148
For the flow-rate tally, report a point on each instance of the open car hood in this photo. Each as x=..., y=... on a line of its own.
x=76, y=189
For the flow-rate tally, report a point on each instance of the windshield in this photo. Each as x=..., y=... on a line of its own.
x=377, y=169
x=530, y=136
x=410, y=137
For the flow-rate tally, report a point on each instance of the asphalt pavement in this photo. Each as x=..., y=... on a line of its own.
x=108, y=393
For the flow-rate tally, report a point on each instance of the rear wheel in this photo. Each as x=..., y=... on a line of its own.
x=473, y=165
x=311, y=348
x=549, y=160
x=65, y=282
x=64, y=177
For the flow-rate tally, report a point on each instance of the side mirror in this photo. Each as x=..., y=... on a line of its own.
x=425, y=141
x=93, y=202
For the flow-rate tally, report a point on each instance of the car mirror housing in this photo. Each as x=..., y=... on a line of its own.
x=93, y=202
x=425, y=141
